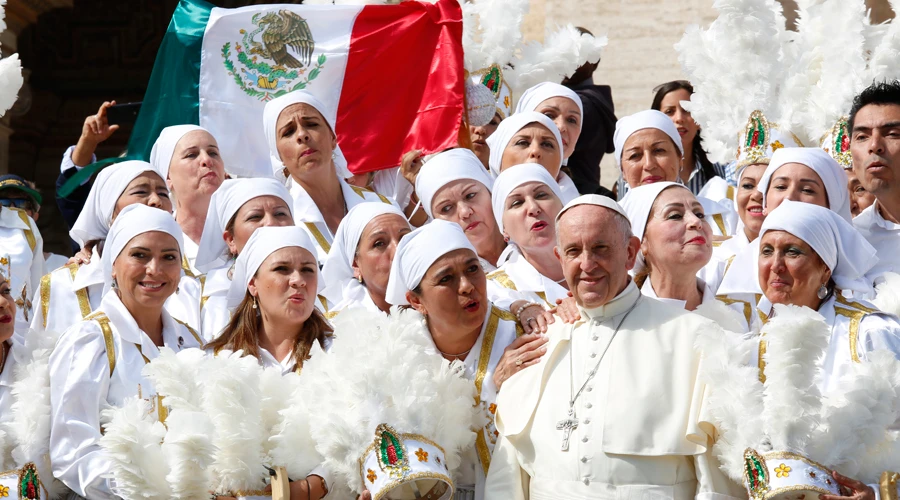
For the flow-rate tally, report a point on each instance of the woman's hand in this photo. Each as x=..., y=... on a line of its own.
x=365, y=495
x=82, y=257
x=567, y=309
x=522, y=353
x=854, y=489
x=410, y=165
x=533, y=318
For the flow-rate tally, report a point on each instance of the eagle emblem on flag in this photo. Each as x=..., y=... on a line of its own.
x=276, y=57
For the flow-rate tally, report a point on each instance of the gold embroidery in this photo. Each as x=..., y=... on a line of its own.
x=888, y=485
x=362, y=193
x=186, y=267
x=23, y=302
x=761, y=362
x=422, y=455
x=840, y=299
x=29, y=235
x=729, y=193
x=502, y=278
x=728, y=264
x=103, y=321
x=318, y=236
x=782, y=470
x=720, y=222
x=748, y=308
x=371, y=476
x=45, y=297
x=855, y=318
x=203, y=301
x=193, y=332
x=161, y=411
x=487, y=345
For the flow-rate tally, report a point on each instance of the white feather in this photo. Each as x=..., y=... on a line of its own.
x=884, y=63
x=887, y=292
x=188, y=452
x=492, y=31
x=10, y=81
x=175, y=376
x=290, y=427
x=562, y=52
x=131, y=441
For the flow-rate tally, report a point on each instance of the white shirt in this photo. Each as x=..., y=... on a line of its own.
x=517, y=279
x=22, y=261
x=308, y=216
x=190, y=254
x=882, y=234
x=81, y=386
x=647, y=380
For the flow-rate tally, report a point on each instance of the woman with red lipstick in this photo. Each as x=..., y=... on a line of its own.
x=437, y=273
x=676, y=243
x=187, y=157
x=356, y=271
x=305, y=154
x=237, y=209
x=98, y=362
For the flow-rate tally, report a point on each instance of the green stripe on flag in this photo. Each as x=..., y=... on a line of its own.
x=172, y=96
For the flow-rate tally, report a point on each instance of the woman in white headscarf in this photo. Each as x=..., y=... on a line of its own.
x=810, y=256
x=454, y=186
x=562, y=105
x=305, y=153
x=98, y=362
x=530, y=137
x=748, y=204
x=436, y=272
x=808, y=175
x=649, y=150
x=235, y=210
x=676, y=243
x=356, y=271
x=187, y=157
x=69, y=294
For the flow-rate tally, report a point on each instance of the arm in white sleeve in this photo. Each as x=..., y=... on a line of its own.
x=79, y=383
x=67, y=162
x=505, y=478
x=322, y=472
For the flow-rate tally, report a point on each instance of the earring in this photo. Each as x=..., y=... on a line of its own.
x=177, y=289
x=255, y=305
x=359, y=278
x=333, y=155
x=115, y=284
x=822, y=292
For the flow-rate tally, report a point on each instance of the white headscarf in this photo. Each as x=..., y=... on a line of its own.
x=96, y=216
x=649, y=118
x=164, y=147
x=262, y=243
x=592, y=199
x=273, y=110
x=513, y=177
x=637, y=204
x=533, y=97
x=843, y=249
x=416, y=253
x=446, y=167
x=337, y=273
x=509, y=127
x=132, y=221
x=224, y=204
x=831, y=173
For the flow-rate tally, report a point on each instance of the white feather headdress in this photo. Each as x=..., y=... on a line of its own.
x=10, y=72
x=385, y=371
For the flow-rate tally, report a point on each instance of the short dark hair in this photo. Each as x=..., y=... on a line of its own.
x=879, y=93
x=700, y=155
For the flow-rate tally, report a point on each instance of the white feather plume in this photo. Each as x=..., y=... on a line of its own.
x=398, y=379
x=884, y=63
x=735, y=66
x=188, y=452
x=290, y=426
x=131, y=442
x=887, y=294
x=726, y=317
x=10, y=72
x=797, y=338
x=562, y=52
x=175, y=375
x=492, y=31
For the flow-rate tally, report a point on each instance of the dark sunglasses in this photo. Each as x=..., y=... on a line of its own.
x=20, y=203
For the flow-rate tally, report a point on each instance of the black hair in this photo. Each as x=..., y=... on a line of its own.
x=699, y=153
x=879, y=93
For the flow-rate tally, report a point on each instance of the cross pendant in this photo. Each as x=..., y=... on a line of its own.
x=567, y=425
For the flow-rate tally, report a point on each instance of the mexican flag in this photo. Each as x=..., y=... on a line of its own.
x=394, y=73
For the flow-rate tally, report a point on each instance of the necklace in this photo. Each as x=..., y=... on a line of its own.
x=570, y=423
x=455, y=356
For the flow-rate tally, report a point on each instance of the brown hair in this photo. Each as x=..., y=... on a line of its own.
x=242, y=332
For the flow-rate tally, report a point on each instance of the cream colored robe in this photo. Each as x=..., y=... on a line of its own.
x=639, y=434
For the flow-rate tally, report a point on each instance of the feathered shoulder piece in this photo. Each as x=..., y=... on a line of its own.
x=777, y=432
x=216, y=423
x=736, y=66
x=392, y=414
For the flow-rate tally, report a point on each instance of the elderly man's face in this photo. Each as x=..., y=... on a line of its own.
x=594, y=254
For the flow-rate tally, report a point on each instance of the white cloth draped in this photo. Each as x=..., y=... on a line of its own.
x=831, y=173
x=223, y=206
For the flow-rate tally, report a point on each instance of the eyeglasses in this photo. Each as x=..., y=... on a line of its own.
x=20, y=203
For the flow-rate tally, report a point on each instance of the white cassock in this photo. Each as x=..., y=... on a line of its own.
x=499, y=330
x=882, y=234
x=86, y=377
x=519, y=280
x=639, y=433
x=308, y=216
x=69, y=294
x=22, y=261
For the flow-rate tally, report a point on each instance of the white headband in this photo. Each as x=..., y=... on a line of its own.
x=831, y=173
x=508, y=128
x=417, y=252
x=513, y=177
x=132, y=221
x=338, y=268
x=262, y=243
x=224, y=204
x=649, y=118
x=164, y=147
x=843, y=249
x=273, y=110
x=96, y=216
x=533, y=97
x=446, y=167
x=638, y=203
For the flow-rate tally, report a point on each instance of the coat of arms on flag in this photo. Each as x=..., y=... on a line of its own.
x=264, y=66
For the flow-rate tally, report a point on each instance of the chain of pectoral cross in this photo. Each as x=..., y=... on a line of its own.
x=570, y=423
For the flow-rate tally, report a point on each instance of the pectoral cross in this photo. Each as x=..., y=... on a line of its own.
x=567, y=425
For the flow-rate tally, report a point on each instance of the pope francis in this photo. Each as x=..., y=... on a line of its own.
x=612, y=411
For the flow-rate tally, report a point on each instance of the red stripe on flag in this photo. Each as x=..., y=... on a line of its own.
x=403, y=88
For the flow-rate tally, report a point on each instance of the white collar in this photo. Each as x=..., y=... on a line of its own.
x=305, y=208
x=616, y=306
x=529, y=279
x=708, y=294
x=124, y=322
x=267, y=360
x=878, y=219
